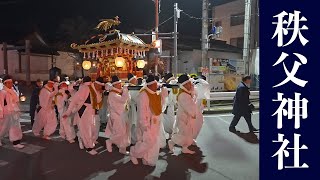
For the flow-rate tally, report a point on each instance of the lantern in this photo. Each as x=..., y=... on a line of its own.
x=23, y=98
x=141, y=64
x=86, y=65
x=119, y=61
x=94, y=63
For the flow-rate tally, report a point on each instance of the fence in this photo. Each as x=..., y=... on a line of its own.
x=228, y=96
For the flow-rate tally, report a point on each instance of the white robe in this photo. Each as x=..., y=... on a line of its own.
x=169, y=117
x=103, y=111
x=66, y=126
x=97, y=116
x=46, y=118
x=10, y=115
x=185, y=120
x=148, y=130
x=202, y=91
x=85, y=123
x=117, y=127
x=133, y=115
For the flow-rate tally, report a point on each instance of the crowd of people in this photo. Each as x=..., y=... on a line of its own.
x=141, y=114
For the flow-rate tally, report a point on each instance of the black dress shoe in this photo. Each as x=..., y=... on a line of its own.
x=254, y=130
x=233, y=130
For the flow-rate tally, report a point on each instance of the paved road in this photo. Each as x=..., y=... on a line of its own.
x=220, y=155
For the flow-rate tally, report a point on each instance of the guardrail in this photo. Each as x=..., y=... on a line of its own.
x=228, y=96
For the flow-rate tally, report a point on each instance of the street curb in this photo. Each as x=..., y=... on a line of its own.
x=222, y=111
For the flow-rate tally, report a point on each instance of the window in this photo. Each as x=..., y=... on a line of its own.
x=238, y=42
x=237, y=19
x=218, y=23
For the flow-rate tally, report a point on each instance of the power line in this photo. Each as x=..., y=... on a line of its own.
x=159, y=24
x=214, y=19
x=190, y=16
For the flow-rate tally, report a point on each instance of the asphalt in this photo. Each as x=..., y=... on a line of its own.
x=220, y=155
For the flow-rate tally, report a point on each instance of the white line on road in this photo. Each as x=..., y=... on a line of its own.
x=98, y=148
x=227, y=122
x=224, y=115
x=28, y=148
x=25, y=120
x=3, y=163
x=102, y=151
x=28, y=131
x=102, y=134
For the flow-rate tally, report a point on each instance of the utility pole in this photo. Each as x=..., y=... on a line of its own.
x=175, y=35
x=246, y=36
x=5, y=58
x=204, y=39
x=28, y=62
x=156, y=2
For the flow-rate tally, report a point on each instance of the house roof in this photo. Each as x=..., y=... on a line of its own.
x=217, y=45
x=17, y=36
x=38, y=45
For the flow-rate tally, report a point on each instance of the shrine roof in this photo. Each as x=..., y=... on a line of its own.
x=112, y=39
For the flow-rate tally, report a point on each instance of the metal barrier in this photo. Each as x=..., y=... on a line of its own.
x=228, y=96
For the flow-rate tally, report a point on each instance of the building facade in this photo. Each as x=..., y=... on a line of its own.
x=230, y=17
x=40, y=64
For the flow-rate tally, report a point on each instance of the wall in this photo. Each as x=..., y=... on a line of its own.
x=66, y=63
x=39, y=64
x=194, y=59
x=12, y=60
x=222, y=13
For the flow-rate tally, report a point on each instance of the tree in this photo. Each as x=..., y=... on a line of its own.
x=73, y=30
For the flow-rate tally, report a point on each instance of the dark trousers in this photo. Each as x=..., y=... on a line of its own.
x=32, y=113
x=236, y=119
x=16, y=142
x=32, y=120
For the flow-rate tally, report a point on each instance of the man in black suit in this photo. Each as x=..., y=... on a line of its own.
x=242, y=105
x=34, y=100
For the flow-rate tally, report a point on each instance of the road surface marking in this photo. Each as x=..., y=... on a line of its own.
x=102, y=151
x=225, y=115
x=3, y=163
x=102, y=134
x=24, y=120
x=28, y=148
x=27, y=131
x=227, y=122
x=98, y=148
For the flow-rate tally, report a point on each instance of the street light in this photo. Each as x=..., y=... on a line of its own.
x=119, y=61
x=86, y=65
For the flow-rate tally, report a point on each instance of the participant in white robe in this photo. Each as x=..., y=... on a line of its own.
x=73, y=88
x=169, y=117
x=148, y=125
x=117, y=128
x=202, y=94
x=132, y=108
x=186, y=115
x=45, y=117
x=66, y=127
x=10, y=114
x=98, y=88
x=84, y=104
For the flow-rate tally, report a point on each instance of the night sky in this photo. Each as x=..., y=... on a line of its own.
x=47, y=15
